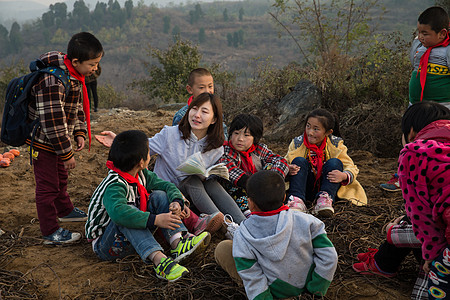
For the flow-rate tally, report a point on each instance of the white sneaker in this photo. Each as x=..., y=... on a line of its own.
x=231, y=226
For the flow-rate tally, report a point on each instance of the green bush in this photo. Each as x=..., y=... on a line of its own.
x=109, y=97
x=168, y=81
x=7, y=73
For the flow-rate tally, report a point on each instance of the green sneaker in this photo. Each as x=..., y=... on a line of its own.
x=169, y=270
x=189, y=245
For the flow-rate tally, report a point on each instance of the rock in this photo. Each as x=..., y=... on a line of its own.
x=293, y=108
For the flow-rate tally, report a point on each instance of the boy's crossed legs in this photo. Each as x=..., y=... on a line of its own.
x=119, y=241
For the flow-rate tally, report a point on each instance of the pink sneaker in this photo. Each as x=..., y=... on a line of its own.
x=296, y=203
x=210, y=223
x=324, y=205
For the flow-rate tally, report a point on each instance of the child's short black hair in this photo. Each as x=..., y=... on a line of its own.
x=84, y=46
x=251, y=122
x=436, y=17
x=197, y=73
x=128, y=148
x=420, y=114
x=266, y=189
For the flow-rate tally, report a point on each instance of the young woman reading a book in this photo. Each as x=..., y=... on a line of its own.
x=199, y=131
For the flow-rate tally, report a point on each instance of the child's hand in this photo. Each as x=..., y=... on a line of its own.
x=336, y=176
x=426, y=266
x=106, y=138
x=293, y=169
x=70, y=164
x=175, y=208
x=80, y=143
x=168, y=220
x=186, y=212
x=395, y=222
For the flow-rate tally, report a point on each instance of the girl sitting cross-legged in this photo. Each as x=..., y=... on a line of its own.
x=320, y=168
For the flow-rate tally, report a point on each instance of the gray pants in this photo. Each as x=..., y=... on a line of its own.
x=210, y=197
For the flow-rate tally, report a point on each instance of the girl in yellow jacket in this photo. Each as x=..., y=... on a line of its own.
x=320, y=168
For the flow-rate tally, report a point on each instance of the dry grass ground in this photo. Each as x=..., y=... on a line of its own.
x=31, y=270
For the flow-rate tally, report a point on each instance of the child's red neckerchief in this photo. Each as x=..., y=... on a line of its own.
x=318, y=163
x=270, y=213
x=247, y=163
x=143, y=194
x=74, y=73
x=190, y=99
x=424, y=63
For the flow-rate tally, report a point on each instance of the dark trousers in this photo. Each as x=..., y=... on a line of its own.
x=302, y=184
x=92, y=93
x=389, y=257
x=52, y=199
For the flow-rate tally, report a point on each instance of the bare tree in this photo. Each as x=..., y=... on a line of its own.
x=318, y=26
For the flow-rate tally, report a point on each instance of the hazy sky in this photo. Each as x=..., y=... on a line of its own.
x=45, y=2
x=48, y=2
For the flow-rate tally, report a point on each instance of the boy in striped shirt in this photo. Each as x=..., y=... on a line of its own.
x=131, y=203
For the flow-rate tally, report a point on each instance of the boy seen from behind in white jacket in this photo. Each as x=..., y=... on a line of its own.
x=279, y=252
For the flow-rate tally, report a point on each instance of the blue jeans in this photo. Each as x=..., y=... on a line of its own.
x=302, y=184
x=118, y=241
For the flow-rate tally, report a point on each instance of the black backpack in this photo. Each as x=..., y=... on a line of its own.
x=15, y=125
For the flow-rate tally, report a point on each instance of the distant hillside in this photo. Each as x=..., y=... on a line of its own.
x=126, y=41
x=20, y=10
x=26, y=10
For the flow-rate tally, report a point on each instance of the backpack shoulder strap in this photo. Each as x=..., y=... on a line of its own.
x=60, y=74
x=42, y=68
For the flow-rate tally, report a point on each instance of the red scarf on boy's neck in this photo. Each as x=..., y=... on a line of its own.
x=190, y=99
x=318, y=163
x=424, y=63
x=74, y=73
x=247, y=163
x=270, y=213
x=143, y=194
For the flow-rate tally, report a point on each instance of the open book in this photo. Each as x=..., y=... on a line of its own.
x=195, y=165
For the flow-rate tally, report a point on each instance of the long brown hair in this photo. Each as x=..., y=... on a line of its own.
x=214, y=135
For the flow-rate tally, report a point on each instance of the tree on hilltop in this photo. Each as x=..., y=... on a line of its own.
x=168, y=81
x=196, y=14
x=80, y=14
x=15, y=38
x=59, y=10
x=201, y=35
x=129, y=8
x=241, y=14
x=4, y=40
x=225, y=15
x=166, y=25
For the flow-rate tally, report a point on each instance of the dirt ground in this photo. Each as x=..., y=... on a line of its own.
x=31, y=270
